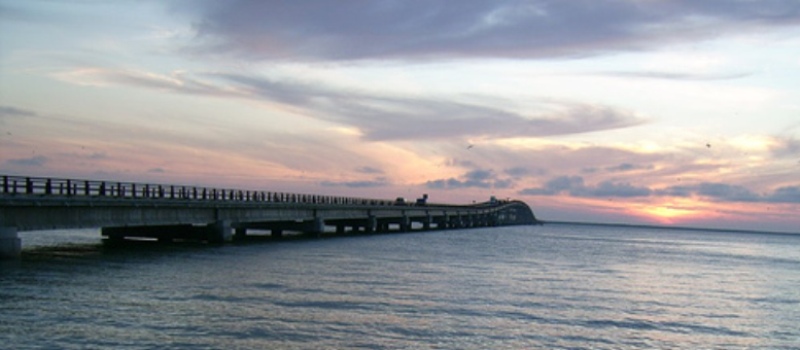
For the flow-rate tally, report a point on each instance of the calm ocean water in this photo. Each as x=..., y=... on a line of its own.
x=550, y=287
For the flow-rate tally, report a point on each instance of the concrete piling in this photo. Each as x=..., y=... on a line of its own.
x=220, y=232
x=10, y=244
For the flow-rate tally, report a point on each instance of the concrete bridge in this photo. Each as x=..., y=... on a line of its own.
x=173, y=212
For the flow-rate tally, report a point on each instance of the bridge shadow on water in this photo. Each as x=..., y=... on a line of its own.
x=151, y=248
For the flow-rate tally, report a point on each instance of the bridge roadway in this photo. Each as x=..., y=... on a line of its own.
x=173, y=212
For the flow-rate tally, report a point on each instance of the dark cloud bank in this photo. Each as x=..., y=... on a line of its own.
x=575, y=186
x=443, y=29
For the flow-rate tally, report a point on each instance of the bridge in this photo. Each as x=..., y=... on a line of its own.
x=174, y=212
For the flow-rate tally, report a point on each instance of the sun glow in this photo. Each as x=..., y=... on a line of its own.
x=669, y=213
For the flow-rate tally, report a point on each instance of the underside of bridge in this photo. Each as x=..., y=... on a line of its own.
x=222, y=231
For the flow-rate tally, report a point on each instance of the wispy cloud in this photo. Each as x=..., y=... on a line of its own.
x=405, y=118
x=381, y=117
x=677, y=76
x=786, y=147
x=437, y=29
x=369, y=170
x=378, y=182
x=13, y=112
x=35, y=161
x=626, y=167
x=177, y=81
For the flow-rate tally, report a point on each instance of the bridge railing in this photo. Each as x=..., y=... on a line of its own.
x=42, y=186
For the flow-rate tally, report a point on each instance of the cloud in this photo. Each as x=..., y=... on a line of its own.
x=726, y=192
x=441, y=29
x=720, y=192
x=617, y=189
x=401, y=118
x=626, y=167
x=789, y=194
x=378, y=182
x=380, y=118
x=575, y=186
x=10, y=12
x=369, y=170
x=786, y=147
x=13, y=112
x=178, y=81
x=478, y=178
x=98, y=155
x=678, y=76
x=521, y=172
x=36, y=161
x=733, y=193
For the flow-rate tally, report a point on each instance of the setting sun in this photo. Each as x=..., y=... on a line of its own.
x=668, y=214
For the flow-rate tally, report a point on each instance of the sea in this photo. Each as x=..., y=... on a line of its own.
x=557, y=286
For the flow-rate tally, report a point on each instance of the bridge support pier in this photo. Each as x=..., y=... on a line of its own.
x=240, y=233
x=372, y=224
x=10, y=244
x=314, y=227
x=405, y=224
x=441, y=223
x=220, y=232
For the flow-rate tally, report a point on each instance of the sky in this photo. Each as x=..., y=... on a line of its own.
x=665, y=112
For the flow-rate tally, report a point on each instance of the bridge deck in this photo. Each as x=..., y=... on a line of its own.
x=125, y=209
